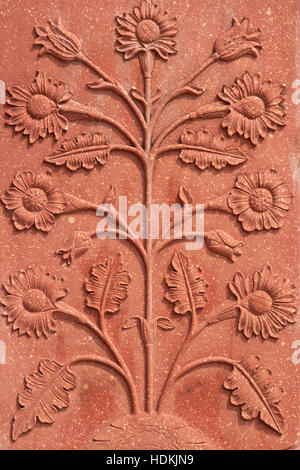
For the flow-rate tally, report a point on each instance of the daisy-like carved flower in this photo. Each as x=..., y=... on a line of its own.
x=254, y=107
x=35, y=111
x=266, y=303
x=34, y=200
x=146, y=28
x=261, y=199
x=30, y=301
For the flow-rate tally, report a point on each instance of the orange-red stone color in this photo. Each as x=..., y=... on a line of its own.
x=142, y=343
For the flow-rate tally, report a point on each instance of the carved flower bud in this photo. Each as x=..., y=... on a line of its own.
x=76, y=246
x=239, y=40
x=223, y=244
x=56, y=40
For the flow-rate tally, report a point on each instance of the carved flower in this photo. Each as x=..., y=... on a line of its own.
x=30, y=303
x=261, y=200
x=266, y=303
x=35, y=111
x=254, y=107
x=223, y=244
x=239, y=40
x=34, y=200
x=56, y=40
x=146, y=28
x=78, y=244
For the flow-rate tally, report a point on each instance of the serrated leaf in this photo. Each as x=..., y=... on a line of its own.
x=186, y=287
x=210, y=150
x=86, y=150
x=46, y=392
x=185, y=195
x=165, y=323
x=107, y=285
x=255, y=391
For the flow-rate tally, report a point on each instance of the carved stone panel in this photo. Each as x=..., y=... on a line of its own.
x=149, y=225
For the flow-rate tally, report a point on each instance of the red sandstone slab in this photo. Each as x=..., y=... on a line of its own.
x=144, y=343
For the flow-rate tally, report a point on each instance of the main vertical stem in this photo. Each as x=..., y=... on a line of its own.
x=147, y=71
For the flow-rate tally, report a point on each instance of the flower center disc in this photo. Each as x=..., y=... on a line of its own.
x=35, y=301
x=35, y=200
x=147, y=31
x=252, y=107
x=39, y=106
x=260, y=302
x=260, y=200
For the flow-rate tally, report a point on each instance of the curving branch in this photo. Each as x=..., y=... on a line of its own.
x=115, y=86
x=136, y=242
x=200, y=362
x=112, y=365
x=210, y=111
x=76, y=110
x=180, y=88
x=68, y=310
x=100, y=360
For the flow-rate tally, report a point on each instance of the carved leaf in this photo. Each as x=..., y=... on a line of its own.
x=131, y=322
x=192, y=90
x=165, y=323
x=156, y=95
x=186, y=287
x=86, y=150
x=46, y=392
x=145, y=330
x=210, y=150
x=110, y=196
x=107, y=285
x=138, y=95
x=185, y=195
x=102, y=84
x=254, y=390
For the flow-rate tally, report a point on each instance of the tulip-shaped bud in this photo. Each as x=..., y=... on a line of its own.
x=221, y=243
x=76, y=246
x=56, y=40
x=239, y=40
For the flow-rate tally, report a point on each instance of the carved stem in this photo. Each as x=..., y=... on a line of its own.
x=149, y=293
x=226, y=312
x=115, y=367
x=65, y=308
x=174, y=367
x=174, y=92
x=127, y=148
x=218, y=203
x=147, y=60
x=76, y=110
x=210, y=111
x=125, y=236
x=200, y=362
x=77, y=204
x=100, y=360
x=117, y=88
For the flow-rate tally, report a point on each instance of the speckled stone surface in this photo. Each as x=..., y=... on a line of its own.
x=156, y=346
